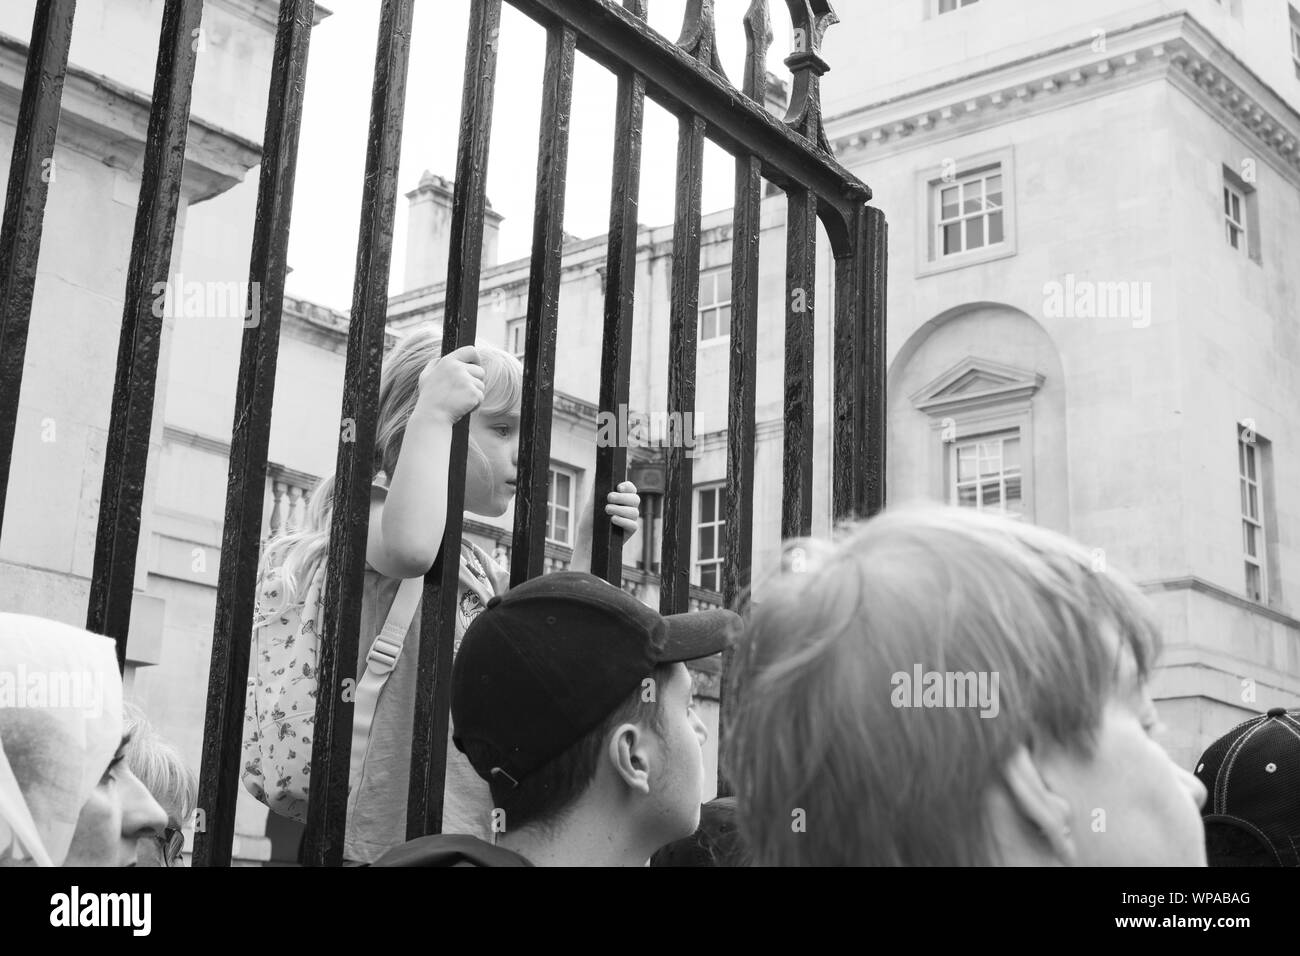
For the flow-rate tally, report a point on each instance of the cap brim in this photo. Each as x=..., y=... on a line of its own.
x=698, y=634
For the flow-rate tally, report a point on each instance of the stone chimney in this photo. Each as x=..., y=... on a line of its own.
x=428, y=232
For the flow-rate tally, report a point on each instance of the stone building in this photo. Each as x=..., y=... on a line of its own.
x=1094, y=299
x=1095, y=220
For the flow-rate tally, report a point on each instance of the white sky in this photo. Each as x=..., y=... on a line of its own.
x=331, y=157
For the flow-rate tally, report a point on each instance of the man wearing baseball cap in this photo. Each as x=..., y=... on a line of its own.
x=572, y=700
x=1252, y=774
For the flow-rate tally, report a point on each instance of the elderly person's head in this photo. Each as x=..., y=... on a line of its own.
x=942, y=687
x=166, y=776
x=67, y=795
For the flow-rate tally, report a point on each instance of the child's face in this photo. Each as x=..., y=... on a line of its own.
x=1131, y=804
x=493, y=462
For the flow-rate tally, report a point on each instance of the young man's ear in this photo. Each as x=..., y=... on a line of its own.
x=628, y=756
x=1042, y=814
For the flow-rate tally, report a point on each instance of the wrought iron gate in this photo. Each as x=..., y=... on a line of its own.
x=685, y=78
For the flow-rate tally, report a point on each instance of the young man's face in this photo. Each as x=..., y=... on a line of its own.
x=1131, y=805
x=492, y=463
x=678, y=784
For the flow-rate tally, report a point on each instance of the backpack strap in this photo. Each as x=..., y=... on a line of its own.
x=380, y=661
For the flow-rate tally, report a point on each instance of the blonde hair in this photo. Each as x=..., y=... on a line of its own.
x=298, y=553
x=159, y=766
x=817, y=726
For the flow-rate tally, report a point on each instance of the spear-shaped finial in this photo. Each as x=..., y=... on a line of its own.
x=758, y=37
x=811, y=19
x=699, y=34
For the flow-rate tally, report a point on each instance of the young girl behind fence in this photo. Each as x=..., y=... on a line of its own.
x=422, y=394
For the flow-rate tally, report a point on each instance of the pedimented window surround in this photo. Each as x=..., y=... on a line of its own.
x=1175, y=46
x=978, y=397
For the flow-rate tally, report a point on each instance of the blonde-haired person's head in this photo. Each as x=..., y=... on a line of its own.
x=164, y=773
x=299, y=552
x=1030, y=744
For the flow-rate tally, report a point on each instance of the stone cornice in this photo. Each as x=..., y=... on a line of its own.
x=220, y=447
x=266, y=11
x=110, y=122
x=1220, y=594
x=1175, y=47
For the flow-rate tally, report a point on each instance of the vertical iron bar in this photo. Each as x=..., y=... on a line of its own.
x=529, y=543
x=800, y=279
x=675, y=564
x=460, y=323
x=620, y=282
x=876, y=365
x=743, y=366
x=699, y=40
x=250, y=438
x=354, y=468
x=851, y=324
x=30, y=172
x=131, y=417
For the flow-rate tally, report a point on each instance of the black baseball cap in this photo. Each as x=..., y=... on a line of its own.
x=550, y=659
x=1252, y=774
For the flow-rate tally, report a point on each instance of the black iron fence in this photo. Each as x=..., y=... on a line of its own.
x=685, y=77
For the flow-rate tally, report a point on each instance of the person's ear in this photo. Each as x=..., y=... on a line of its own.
x=1047, y=812
x=629, y=757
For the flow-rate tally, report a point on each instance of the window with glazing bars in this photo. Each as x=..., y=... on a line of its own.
x=710, y=511
x=1252, y=515
x=969, y=212
x=986, y=474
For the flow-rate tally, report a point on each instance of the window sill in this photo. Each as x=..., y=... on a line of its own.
x=961, y=260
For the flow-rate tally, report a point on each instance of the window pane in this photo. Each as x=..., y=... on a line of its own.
x=1236, y=208
x=948, y=203
x=966, y=463
x=995, y=228
x=1252, y=503
x=994, y=191
x=706, y=543
x=708, y=288
x=1013, y=493
x=562, y=488
x=1250, y=462
x=973, y=197
x=1252, y=583
x=975, y=232
x=1243, y=497
x=992, y=495
x=1250, y=532
x=1010, y=453
x=707, y=501
x=1241, y=457
x=966, y=496
x=709, y=577
x=708, y=325
x=990, y=457
x=1227, y=202
x=952, y=238
x=724, y=320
